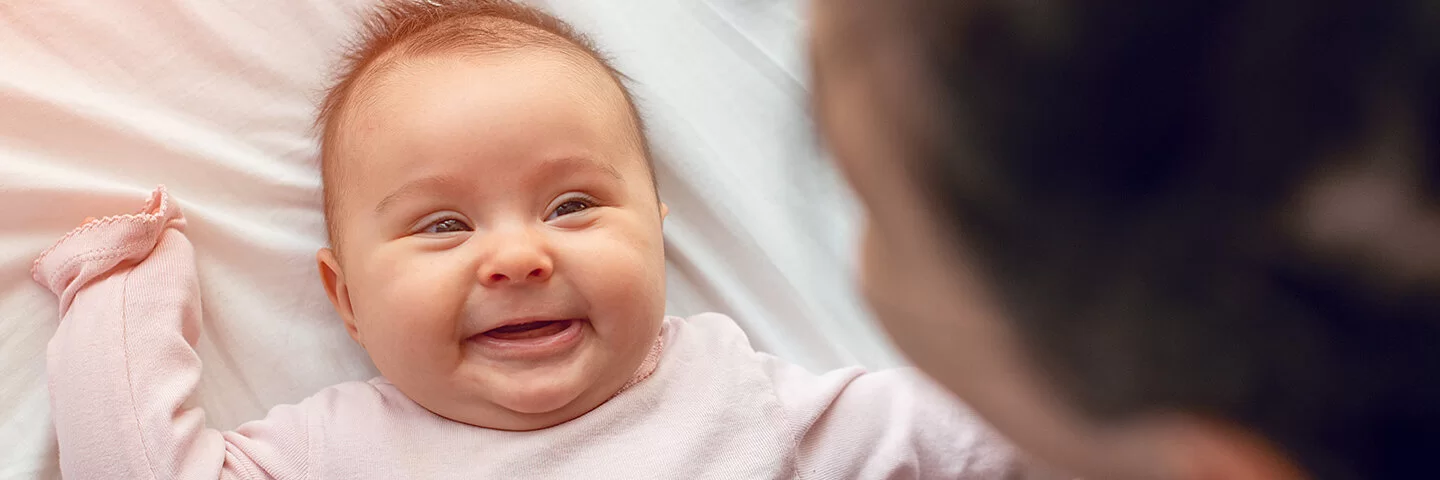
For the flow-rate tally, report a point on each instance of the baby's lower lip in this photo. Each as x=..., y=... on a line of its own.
x=531, y=342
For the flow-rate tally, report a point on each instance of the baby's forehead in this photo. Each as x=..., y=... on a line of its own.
x=394, y=83
x=448, y=110
x=430, y=100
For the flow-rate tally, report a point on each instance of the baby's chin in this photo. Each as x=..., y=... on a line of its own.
x=542, y=396
x=520, y=410
x=535, y=399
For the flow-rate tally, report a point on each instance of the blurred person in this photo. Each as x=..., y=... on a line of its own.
x=1155, y=240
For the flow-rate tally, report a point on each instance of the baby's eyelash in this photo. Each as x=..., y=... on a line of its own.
x=587, y=201
x=581, y=197
x=447, y=224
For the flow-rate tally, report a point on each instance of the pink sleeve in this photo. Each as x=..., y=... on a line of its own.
x=893, y=424
x=122, y=363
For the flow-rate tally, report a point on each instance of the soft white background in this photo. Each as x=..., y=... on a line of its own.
x=101, y=101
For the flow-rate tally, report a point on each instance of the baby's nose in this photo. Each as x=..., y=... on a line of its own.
x=516, y=264
x=498, y=278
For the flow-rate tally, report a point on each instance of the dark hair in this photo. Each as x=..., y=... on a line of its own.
x=1135, y=180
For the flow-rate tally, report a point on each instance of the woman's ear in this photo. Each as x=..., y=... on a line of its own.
x=334, y=279
x=1204, y=449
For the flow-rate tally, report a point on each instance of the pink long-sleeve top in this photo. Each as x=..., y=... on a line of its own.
x=123, y=363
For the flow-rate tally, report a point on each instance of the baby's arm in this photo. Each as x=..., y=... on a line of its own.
x=122, y=363
x=892, y=424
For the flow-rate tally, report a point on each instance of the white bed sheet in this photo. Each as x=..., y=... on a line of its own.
x=101, y=101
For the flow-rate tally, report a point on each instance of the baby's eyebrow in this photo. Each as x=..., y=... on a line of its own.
x=549, y=168
x=446, y=182
x=443, y=182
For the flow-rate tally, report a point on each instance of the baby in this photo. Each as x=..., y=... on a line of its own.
x=497, y=251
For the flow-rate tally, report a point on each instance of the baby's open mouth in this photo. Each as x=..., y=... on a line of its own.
x=528, y=330
x=533, y=340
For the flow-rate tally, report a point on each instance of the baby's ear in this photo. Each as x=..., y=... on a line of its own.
x=334, y=279
x=664, y=210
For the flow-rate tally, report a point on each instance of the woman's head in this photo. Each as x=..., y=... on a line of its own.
x=1165, y=230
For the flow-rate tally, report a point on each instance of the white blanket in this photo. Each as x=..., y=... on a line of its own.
x=101, y=101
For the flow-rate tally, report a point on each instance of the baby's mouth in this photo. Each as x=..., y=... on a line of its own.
x=529, y=330
x=528, y=341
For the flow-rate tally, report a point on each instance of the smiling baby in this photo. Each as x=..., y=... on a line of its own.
x=496, y=249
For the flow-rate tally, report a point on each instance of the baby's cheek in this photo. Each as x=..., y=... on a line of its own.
x=624, y=283
x=616, y=265
x=419, y=298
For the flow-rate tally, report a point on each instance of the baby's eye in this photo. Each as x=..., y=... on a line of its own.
x=569, y=207
x=446, y=226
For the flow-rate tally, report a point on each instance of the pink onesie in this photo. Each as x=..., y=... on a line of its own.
x=122, y=364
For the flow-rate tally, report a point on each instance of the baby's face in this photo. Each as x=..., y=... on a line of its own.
x=500, y=251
